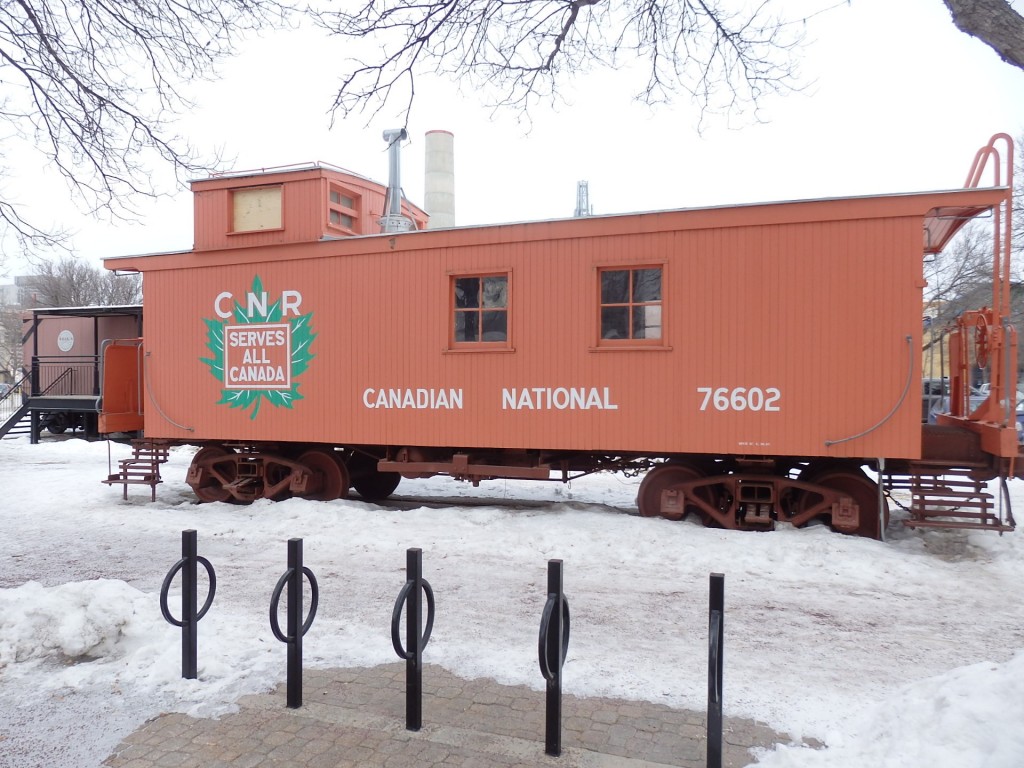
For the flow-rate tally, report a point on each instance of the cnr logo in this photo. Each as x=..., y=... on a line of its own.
x=259, y=348
x=224, y=306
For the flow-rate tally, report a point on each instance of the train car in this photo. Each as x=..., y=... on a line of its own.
x=752, y=359
x=59, y=386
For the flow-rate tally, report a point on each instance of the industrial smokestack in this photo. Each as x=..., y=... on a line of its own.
x=439, y=179
x=393, y=219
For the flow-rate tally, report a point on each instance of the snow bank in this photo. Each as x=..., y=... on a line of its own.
x=969, y=716
x=79, y=621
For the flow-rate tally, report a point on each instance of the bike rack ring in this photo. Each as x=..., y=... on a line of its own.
x=165, y=588
x=276, y=600
x=550, y=667
x=396, y=618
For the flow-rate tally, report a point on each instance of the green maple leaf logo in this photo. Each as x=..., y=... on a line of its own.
x=302, y=337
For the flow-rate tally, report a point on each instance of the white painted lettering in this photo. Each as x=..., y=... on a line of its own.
x=608, y=404
x=557, y=398
x=420, y=398
x=257, y=303
x=290, y=303
x=217, y=308
x=252, y=374
x=560, y=397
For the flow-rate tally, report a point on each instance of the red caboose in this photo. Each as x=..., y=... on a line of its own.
x=754, y=358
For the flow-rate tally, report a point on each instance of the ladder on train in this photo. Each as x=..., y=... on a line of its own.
x=143, y=468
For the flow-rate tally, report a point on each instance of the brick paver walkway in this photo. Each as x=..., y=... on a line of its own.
x=356, y=717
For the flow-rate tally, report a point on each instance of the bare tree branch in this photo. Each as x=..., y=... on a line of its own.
x=70, y=282
x=519, y=51
x=94, y=86
x=995, y=23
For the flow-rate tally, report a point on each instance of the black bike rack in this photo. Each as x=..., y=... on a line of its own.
x=416, y=640
x=716, y=618
x=552, y=645
x=189, y=615
x=296, y=627
x=552, y=641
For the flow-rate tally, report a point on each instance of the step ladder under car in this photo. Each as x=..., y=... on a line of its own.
x=953, y=500
x=143, y=468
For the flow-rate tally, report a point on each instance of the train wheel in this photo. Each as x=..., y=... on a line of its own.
x=328, y=476
x=370, y=483
x=374, y=485
x=209, y=473
x=658, y=495
x=57, y=423
x=864, y=492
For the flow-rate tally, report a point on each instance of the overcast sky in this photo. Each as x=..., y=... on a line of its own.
x=898, y=100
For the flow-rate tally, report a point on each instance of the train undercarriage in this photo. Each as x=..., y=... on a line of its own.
x=740, y=493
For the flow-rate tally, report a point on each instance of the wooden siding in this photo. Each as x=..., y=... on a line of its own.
x=817, y=300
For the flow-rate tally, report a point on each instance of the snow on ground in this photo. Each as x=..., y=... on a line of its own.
x=903, y=653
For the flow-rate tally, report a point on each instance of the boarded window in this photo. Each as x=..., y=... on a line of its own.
x=256, y=209
x=480, y=309
x=630, y=304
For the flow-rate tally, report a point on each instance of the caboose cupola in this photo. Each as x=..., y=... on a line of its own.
x=289, y=204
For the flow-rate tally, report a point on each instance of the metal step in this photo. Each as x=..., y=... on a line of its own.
x=954, y=501
x=18, y=422
x=143, y=468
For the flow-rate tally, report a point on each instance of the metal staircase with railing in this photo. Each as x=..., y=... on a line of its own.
x=14, y=411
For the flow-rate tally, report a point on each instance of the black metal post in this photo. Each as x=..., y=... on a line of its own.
x=292, y=578
x=716, y=638
x=190, y=614
x=295, y=624
x=415, y=638
x=552, y=645
x=413, y=622
x=553, y=717
x=189, y=606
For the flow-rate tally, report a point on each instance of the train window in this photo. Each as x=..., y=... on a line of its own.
x=340, y=219
x=480, y=309
x=340, y=199
x=343, y=210
x=256, y=208
x=630, y=304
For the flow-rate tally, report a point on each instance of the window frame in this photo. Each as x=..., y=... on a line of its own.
x=660, y=343
x=504, y=345
x=343, y=210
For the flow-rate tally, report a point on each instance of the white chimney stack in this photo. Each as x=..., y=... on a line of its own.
x=439, y=179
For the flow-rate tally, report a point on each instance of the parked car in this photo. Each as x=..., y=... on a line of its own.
x=935, y=397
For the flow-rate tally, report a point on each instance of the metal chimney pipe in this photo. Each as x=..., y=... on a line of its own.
x=393, y=219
